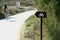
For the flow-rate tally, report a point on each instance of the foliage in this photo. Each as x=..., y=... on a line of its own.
x=1, y=15
x=32, y=28
x=1, y=6
x=27, y=2
x=51, y=24
x=14, y=10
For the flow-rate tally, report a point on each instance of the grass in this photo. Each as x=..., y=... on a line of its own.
x=50, y=30
x=32, y=30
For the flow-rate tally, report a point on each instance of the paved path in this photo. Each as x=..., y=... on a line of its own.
x=10, y=28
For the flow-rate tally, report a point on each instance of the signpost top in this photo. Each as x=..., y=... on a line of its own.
x=41, y=14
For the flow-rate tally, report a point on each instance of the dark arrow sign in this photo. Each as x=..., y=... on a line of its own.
x=41, y=14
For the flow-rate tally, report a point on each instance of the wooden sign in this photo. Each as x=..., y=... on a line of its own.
x=41, y=14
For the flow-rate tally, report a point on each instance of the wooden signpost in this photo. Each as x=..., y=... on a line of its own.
x=41, y=15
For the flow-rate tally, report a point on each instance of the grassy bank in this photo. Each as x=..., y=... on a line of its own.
x=32, y=30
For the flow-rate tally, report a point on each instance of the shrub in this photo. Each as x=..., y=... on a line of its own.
x=0, y=6
x=1, y=15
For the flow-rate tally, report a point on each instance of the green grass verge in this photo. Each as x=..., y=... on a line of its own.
x=32, y=30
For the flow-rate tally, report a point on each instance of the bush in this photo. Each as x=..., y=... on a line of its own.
x=1, y=15
x=32, y=30
x=12, y=11
x=1, y=5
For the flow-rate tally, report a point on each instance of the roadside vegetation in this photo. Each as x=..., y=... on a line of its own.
x=24, y=6
x=1, y=14
x=51, y=24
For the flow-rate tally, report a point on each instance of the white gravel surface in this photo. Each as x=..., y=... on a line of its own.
x=10, y=28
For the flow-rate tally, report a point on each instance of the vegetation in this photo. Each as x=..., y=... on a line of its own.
x=32, y=26
x=27, y=2
x=51, y=24
x=1, y=14
x=13, y=10
x=12, y=7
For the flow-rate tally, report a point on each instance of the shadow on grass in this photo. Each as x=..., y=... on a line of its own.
x=58, y=10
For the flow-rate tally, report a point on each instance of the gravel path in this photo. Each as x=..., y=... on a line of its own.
x=10, y=28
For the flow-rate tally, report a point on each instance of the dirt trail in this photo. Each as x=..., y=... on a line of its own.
x=10, y=28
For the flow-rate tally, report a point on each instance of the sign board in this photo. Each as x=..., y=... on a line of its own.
x=41, y=14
